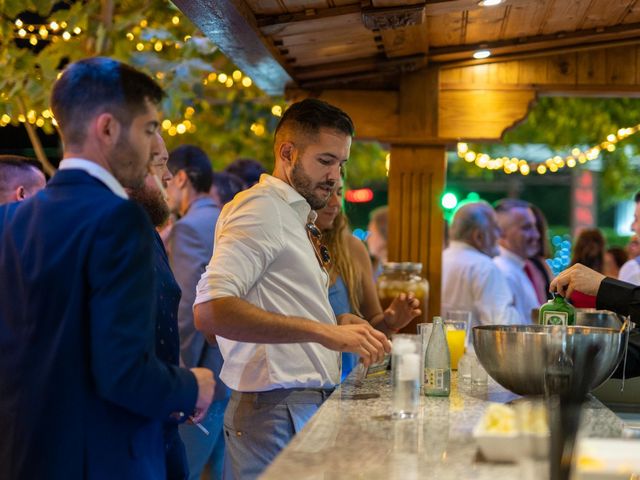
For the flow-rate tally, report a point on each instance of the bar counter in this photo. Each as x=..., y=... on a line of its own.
x=354, y=436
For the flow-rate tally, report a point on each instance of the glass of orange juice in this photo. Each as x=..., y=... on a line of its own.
x=456, y=332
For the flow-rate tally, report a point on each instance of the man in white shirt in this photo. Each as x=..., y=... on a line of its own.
x=470, y=280
x=264, y=293
x=630, y=271
x=518, y=241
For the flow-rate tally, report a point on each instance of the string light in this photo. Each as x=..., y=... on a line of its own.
x=552, y=164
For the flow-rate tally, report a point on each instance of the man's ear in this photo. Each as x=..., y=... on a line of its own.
x=107, y=128
x=180, y=179
x=20, y=193
x=477, y=238
x=286, y=152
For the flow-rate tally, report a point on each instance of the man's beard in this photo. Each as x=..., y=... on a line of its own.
x=153, y=203
x=303, y=185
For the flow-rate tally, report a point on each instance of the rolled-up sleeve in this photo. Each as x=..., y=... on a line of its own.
x=248, y=238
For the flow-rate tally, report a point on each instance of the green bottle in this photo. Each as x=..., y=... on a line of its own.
x=557, y=312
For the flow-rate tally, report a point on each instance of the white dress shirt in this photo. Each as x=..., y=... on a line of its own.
x=471, y=281
x=524, y=294
x=263, y=255
x=96, y=171
x=630, y=272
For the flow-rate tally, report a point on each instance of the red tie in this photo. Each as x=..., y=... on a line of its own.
x=529, y=272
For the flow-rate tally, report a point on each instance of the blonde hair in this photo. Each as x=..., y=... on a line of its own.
x=341, y=261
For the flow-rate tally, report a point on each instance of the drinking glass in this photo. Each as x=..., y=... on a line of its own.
x=462, y=316
x=406, y=374
x=456, y=332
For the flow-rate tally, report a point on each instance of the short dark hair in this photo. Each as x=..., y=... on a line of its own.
x=248, y=169
x=310, y=115
x=196, y=165
x=95, y=85
x=507, y=204
x=16, y=170
x=228, y=185
x=636, y=197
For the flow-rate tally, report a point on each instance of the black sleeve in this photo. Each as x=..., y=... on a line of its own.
x=623, y=298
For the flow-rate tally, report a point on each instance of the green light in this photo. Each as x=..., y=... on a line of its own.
x=449, y=201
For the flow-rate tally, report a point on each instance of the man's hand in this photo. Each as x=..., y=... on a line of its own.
x=578, y=277
x=360, y=338
x=206, y=385
x=350, y=319
x=403, y=309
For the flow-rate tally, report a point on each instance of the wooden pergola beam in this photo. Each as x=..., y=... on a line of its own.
x=231, y=25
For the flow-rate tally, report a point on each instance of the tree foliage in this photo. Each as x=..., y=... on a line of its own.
x=565, y=123
x=219, y=113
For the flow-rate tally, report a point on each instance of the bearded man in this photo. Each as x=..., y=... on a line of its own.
x=264, y=293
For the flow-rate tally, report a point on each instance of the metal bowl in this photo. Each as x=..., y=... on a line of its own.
x=515, y=356
x=590, y=317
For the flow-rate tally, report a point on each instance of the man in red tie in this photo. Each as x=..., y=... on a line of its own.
x=518, y=241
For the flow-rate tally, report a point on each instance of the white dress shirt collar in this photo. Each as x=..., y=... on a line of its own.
x=96, y=171
x=291, y=196
x=512, y=257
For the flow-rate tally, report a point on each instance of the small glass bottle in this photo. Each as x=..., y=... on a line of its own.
x=557, y=312
x=437, y=363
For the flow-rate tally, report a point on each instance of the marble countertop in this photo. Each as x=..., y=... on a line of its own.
x=354, y=436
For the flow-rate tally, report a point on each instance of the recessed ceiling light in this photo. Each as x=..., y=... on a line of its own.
x=481, y=54
x=489, y=3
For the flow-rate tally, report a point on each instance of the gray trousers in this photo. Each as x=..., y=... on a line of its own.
x=258, y=425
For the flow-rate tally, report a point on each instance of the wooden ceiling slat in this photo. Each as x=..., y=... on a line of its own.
x=324, y=21
x=566, y=15
x=313, y=56
x=265, y=7
x=444, y=30
x=295, y=6
x=545, y=16
x=524, y=20
x=405, y=41
x=595, y=16
x=484, y=25
x=318, y=39
x=632, y=14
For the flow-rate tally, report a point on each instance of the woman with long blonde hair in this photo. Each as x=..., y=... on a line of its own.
x=351, y=278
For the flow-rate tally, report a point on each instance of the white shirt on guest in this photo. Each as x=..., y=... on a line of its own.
x=512, y=267
x=471, y=281
x=630, y=272
x=263, y=255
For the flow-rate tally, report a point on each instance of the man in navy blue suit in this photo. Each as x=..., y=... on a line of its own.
x=82, y=393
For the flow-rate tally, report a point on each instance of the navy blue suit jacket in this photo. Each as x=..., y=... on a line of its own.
x=82, y=393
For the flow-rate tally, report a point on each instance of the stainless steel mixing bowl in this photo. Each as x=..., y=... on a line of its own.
x=515, y=356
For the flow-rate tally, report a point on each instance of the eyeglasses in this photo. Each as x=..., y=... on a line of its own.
x=322, y=252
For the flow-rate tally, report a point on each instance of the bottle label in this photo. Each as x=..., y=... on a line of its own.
x=555, y=318
x=434, y=378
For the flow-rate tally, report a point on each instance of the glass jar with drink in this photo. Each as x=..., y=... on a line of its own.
x=404, y=277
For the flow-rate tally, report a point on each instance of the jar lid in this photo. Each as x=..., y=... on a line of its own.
x=413, y=267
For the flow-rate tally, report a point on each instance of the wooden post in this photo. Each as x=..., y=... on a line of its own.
x=416, y=224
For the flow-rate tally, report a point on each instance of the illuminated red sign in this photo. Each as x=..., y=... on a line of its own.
x=360, y=195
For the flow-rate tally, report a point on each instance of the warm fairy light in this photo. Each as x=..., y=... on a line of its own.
x=22, y=33
x=130, y=36
x=229, y=83
x=212, y=76
x=222, y=78
x=181, y=129
x=247, y=82
x=175, y=20
x=54, y=26
x=553, y=164
x=139, y=46
x=18, y=23
x=33, y=40
x=257, y=129
x=66, y=36
x=276, y=110
x=43, y=32
x=158, y=46
x=63, y=24
x=143, y=23
x=160, y=75
x=77, y=30
x=172, y=131
x=189, y=111
x=166, y=124
x=236, y=75
x=187, y=38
